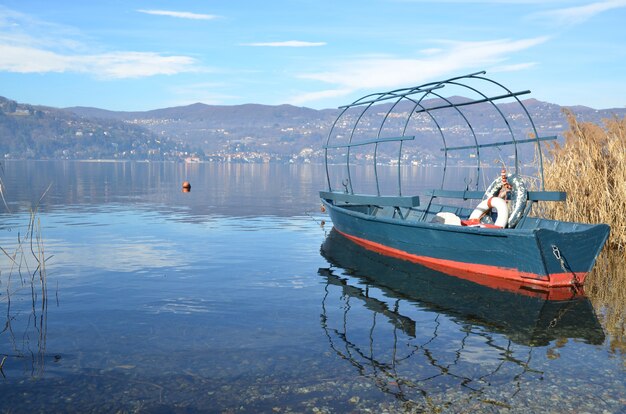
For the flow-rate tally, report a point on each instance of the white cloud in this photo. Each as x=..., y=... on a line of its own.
x=114, y=65
x=385, y=72
x=320, y=95
x=431, y=51
x=482, y=1
x=21, y=29
x=205, y=92
x=512, y=68
x=29, y=45
x=288, y=43
x=179, y=14
x=120, y=65
x=580, y=14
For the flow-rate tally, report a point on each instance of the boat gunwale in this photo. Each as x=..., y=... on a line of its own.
x=482, y=231
x=487, y=231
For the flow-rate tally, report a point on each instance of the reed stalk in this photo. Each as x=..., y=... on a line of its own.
x=26, y=313
x=606, y=288
x=25, y=258
x=591, y=168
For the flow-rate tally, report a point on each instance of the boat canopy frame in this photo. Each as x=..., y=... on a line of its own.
x=419, y=97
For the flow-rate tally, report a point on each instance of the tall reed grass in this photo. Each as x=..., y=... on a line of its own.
x=24, y=301
x=606, y=287
x=26, y=314
x=591, y=168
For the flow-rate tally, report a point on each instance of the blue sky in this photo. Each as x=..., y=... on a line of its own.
x=148, y=54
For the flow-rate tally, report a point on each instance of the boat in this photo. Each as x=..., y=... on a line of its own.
x=486, y=227
x=530, y=317
x=406, y=328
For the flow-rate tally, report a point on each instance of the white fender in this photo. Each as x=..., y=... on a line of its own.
x=493, y=202
x=447, y=218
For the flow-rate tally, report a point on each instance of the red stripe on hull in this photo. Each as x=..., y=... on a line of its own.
x=510, y=279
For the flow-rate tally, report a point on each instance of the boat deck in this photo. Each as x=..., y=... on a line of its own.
x=423, y=214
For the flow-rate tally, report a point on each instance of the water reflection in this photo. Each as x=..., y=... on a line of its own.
x=414, y=331
x=222, y=189
x=607, y=291
x=241, y=190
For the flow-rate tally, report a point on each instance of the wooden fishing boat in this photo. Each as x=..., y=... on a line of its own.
x=474, y=228
x=534, y=317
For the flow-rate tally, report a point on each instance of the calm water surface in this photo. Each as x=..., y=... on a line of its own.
x=236, y=297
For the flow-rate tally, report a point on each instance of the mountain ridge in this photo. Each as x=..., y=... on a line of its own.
x=248, y=132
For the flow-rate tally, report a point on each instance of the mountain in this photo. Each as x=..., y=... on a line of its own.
x=40, y=132
x=261, y=131
x=247, y=133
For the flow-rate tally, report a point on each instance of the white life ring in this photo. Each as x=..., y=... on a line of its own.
x=518, y=196
x=486, y=205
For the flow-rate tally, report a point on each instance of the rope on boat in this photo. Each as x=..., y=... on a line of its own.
x=557, y=254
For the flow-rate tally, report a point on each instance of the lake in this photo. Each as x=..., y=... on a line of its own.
x=124, y=294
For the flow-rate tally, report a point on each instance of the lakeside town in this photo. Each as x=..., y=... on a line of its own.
x=239, y=134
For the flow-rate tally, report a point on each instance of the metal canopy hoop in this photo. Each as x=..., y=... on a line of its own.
x=470, y=115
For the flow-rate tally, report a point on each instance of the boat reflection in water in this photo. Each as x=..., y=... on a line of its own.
x=418, y=333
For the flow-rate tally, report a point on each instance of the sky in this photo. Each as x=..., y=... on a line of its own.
x=135, y=55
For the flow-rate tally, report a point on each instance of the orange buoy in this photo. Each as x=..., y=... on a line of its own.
x=186, y=187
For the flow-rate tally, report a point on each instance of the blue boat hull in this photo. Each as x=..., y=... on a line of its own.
x=526, y=317
x=539, y=252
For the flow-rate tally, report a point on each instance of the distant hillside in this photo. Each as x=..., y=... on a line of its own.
x=39, y=132
x=260, y=132
x=274, y=132
x=248, y=114
x=246, y=133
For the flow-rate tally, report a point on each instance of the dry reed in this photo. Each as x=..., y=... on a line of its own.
x=28, y=252
x=31, y=318
x=591, y=168
x=607, y=290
